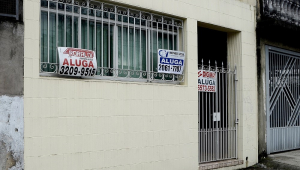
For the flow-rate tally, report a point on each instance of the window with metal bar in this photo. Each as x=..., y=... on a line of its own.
x=125, y=40
x=9, y=8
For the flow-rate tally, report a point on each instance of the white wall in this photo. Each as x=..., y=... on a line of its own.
x=11, y=133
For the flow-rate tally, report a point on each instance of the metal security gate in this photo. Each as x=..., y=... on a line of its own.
x=217, y=113
x=283, y=99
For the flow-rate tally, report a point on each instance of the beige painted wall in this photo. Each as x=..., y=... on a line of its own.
x=99, y=124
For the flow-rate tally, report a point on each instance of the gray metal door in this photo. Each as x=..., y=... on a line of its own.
x=283, y=99
x=217, y=115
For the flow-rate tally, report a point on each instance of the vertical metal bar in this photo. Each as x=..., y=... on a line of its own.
x=48, y=31
x=206, y=129
x=102, y=13
x=226, y=113
x=212, y=123
x=162, y=32
x=177, y=48
x=203, y=129
x=115, y=43
x=267, y=100
x=65, y=25
x=216, y=100
x=183, y=38
x=88, y=26
x=73, y=34
x=236, y=110
x=95, y=32
x=152, y=44
x=56, y=33
x=209, y=117
x=108, y=12
x=148, y=51
x=173, y=24
x=128, y=61
x=198, y=128
x=122, y=38
x=141, y=58
x=223, y=114
x=168, y=36
x=134, y=52
x=79, y=28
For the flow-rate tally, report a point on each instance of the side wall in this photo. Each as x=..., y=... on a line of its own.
x=99, y=124
x=11, y=93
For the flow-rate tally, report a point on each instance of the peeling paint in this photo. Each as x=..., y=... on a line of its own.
x=11, y=133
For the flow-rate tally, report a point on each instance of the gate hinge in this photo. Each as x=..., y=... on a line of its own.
x=237, y=121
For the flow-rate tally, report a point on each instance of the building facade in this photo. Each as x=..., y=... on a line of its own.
x=128, y=115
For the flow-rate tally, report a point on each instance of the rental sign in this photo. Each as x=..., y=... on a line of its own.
x=170, y=61
x=77, y=62
x=207, y=81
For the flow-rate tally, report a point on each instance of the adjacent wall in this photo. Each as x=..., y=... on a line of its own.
x=99, y=124
x=11, y=94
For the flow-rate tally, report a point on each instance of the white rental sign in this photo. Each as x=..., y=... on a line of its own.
x=169, y=61
x=76, y=62
x=207, y=81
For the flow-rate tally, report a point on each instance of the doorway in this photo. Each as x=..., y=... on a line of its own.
x=216, y=98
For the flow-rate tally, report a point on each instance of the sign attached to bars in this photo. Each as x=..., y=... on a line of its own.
x=170, y=61
x=207, y=81
x=76, y=62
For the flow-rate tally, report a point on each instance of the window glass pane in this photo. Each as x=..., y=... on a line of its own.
x=61, y=6
x=44, y=37
x=53, y=5
x=69, y=31
x=91, y=35
x=120, y=51
x=107, y=49
x=154, y=51
x=44, y=3
x=99, y=46
x=84, y=34
x=144, y=49
x=75, y=33
x=83, y=11
x=131, y=54
x=60, y=29
x=52, y=38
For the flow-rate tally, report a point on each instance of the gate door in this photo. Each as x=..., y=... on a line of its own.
x=283, y=99
x=217, y=113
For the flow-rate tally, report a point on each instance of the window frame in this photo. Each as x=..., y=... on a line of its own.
x=151, y=75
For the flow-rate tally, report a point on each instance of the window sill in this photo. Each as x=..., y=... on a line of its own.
x=220, y=164
x=123, y=79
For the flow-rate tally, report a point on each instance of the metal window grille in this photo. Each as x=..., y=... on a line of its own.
x=125, y=40
x=9, y=8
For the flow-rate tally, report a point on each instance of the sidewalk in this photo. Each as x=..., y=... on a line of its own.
x=285, y=160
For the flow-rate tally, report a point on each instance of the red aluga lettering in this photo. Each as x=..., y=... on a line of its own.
x=78, y=64
x=66, y=62
x=71, y=64
x=84, y=63
x=91, y=64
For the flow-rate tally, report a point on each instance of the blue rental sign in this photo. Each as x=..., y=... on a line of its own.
x=170, y=61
